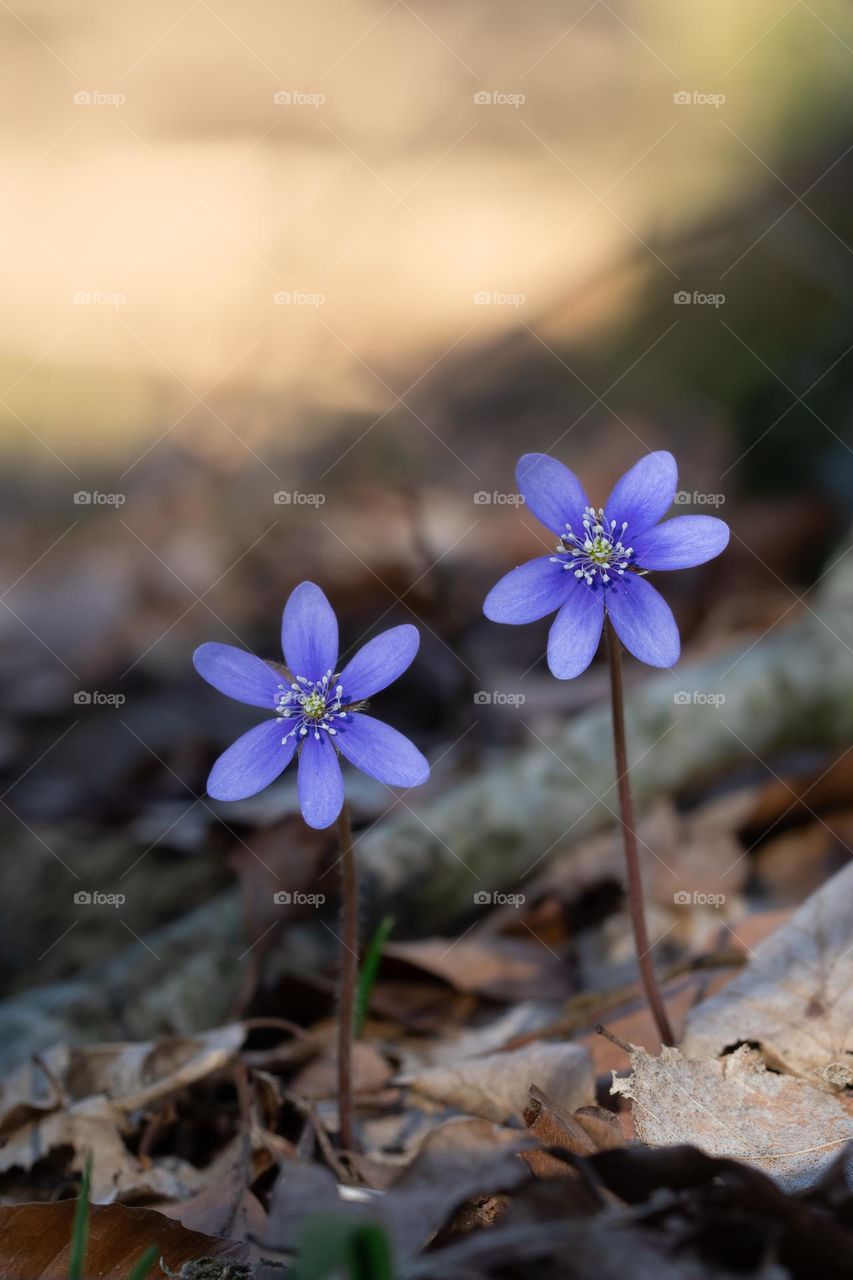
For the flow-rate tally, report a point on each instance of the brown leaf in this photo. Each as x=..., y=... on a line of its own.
x=554, y=1128
x=95, y=1127
x=319, y=1079
x=83, y=1098
x=131, y=1074
x=35, y=1241
x=795, y=997
x=735, y=1107
x=501, y=968
x=497, y=1086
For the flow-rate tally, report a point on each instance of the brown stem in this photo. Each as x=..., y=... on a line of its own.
x=626, y=808
x=348, y=978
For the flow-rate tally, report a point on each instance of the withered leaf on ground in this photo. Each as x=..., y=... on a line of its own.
x=96, y=1127
x=131, y=1074
x=35, y=1241
x=795, y=997
x=497, y=1086
x=487, y=965
x=735, y=1107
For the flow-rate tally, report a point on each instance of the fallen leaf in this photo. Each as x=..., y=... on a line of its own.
x=553, y=1127
x=501, y=968
x=95, y=1127
x=497, y=1086
x=795, y=997
x=461, y=1160
x=35, y=1241
x=131, y=1074
x=319, y=1079
x=735, y=1107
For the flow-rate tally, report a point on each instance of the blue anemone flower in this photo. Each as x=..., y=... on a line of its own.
x=601, y=560
x=317, y=710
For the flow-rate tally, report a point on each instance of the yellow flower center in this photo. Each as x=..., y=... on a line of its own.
x=314, y=706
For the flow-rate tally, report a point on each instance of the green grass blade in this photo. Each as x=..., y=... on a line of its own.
x=80, y=1227
x=336, y=1246
x=369, y=970
x=145, y=1263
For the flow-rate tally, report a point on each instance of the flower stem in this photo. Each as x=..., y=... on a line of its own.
x=626, y=809
x=348, y=978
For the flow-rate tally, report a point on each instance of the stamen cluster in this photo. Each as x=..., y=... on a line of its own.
x=598, y=550
x=312, y=705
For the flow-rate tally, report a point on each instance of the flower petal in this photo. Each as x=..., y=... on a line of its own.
x=529, y=592
x=681, y=543
x=644, y=494
x=252, y=762
x=378, y=663
x=552, y=492
x=238, y=674
x=320, y=784
x=643, y=621
x=576, y=631
x=377, y=749
x=309, y=632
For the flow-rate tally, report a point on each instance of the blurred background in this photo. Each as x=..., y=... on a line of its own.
x=289, y=288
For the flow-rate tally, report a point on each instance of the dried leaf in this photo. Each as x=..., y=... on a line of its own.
x=95, y=1127
x=498, y=1086
x=735, y=1107
x=35, y=1241
x=130, y=1074
x=795, y=997
x=483, y=964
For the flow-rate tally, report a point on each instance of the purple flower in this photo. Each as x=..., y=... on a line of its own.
x=601, y=560
x=317, y=712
